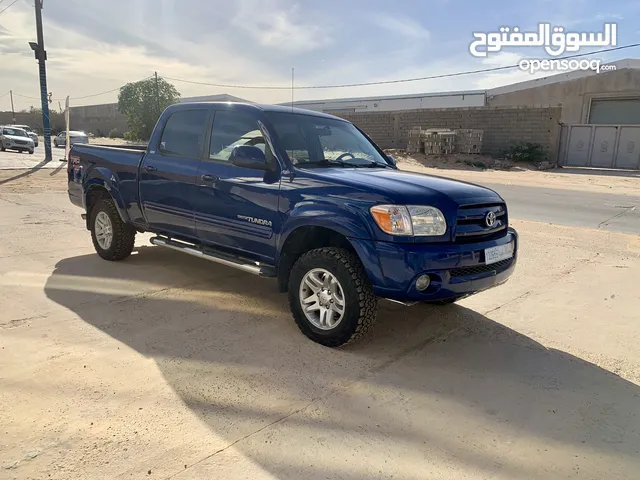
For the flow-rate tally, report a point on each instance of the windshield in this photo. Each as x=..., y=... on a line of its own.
x=321, y=142
x=24, y=127
x=16, y=132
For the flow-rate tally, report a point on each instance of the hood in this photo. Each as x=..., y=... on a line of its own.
x=17, y=137
x=408, y=188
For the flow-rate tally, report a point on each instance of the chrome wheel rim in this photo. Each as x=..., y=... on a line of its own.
x=322, y=299
x=104, y=230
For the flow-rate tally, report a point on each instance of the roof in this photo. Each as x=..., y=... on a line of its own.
x=222, y=97
x=389, y=97
x=262, y=107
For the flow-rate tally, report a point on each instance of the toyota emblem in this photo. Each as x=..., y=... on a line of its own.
x=490, y=219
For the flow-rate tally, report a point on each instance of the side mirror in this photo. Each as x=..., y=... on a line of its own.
x=392, y=160
x=248, y=156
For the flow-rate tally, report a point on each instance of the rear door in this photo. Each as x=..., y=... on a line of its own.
x=168, y=172
x=235, y=206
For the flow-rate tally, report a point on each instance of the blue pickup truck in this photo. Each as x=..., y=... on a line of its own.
x=301, y=196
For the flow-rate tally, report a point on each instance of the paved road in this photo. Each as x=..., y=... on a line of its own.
x=618, y=213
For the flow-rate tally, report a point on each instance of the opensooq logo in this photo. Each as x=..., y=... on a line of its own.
x=554, y=39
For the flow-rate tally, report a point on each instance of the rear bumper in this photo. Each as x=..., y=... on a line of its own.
x=455, y=270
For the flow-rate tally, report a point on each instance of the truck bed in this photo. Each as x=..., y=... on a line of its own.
x=123, y=161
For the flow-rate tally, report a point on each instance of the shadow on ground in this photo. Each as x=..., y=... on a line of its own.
x=429, y=387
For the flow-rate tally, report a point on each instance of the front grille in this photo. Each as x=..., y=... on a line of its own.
x=497, y=267
x=19, y=142
x=471, y=223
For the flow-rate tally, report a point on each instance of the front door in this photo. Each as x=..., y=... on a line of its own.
x=168, y=173
x=237, y=207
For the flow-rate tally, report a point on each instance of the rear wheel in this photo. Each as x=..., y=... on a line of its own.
x=331, y=297
x=30, y=152
x=112, y=238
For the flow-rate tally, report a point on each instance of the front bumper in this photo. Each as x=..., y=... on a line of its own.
x=456, y=270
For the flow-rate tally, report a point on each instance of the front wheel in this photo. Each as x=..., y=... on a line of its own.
x=2, y=147
x=30, y=152
x=112, y=238
x=330, y=296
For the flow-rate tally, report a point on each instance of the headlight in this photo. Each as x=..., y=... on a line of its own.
x=410, y=220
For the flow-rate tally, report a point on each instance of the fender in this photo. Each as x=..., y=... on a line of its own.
x=104, y=178
x=346, y=221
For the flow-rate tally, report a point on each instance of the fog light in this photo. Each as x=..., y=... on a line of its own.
x=423, y=282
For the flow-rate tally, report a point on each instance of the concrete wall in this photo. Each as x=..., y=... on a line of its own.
x=574, y=95
x=95, y=125
x=503, y=126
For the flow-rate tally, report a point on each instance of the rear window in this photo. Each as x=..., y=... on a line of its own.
x=184, y=133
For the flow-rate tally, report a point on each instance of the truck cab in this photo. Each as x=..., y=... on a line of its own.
x=301, y=196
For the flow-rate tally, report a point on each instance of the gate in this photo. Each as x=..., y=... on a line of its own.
x=600, y=146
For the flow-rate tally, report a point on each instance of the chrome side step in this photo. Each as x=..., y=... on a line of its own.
x=244, y=264
x=406, y=304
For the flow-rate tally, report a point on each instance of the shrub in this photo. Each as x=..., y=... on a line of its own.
x=130, y=136
x=524, y=152
x=114, y=133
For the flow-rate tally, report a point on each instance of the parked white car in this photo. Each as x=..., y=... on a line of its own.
x=33, y=135
x=12, y=138
x=74, y=137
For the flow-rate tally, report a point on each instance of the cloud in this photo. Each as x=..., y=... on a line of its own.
x=400, y=26
x=280, y=27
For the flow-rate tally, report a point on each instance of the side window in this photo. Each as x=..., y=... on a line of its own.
x=231, y=129
x=183, y=133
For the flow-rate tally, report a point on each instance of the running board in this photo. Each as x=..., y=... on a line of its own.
x=218, y=257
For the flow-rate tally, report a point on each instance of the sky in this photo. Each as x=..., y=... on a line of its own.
x=95, y=46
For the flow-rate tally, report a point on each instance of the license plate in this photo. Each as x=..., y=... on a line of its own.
x=496, y=254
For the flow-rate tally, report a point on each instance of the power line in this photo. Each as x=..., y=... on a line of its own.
x=4, y=94
x=387, y=82
x=7, y=8
x=79, y=98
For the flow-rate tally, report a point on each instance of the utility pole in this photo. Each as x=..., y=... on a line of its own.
x=13, y=113
x=41, y=56
x=157, y=97
x=292, y=74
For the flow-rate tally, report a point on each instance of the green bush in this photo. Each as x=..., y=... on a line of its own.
x=525, y=152
x=114, y=133
x=130, y=136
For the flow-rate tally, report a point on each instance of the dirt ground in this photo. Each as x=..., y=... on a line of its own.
x=163, y=366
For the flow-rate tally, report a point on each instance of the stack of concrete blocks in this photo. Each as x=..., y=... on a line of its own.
x=469, y=140
x=438, y=141
x=414, y=140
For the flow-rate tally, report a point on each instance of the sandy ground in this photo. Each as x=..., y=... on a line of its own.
x=163, y=366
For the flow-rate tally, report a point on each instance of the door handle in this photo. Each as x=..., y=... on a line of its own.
x=150, y=168
x=209, y=178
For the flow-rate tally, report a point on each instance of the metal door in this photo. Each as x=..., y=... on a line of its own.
x=628, y=154
x=578, y=145
x=600, y=146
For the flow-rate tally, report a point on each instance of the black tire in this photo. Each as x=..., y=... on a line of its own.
x=360, y=302
x=2, y=147
x=30, y=152
x=124, y=235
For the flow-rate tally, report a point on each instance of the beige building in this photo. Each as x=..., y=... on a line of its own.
x=586, y=97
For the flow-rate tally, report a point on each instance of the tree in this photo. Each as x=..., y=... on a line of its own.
x=143, y=102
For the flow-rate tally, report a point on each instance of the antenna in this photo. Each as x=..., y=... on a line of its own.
x=292, y=76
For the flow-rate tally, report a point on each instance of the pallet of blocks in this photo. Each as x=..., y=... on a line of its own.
x=414, y=142
x=439, y=141
x=469, y=140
